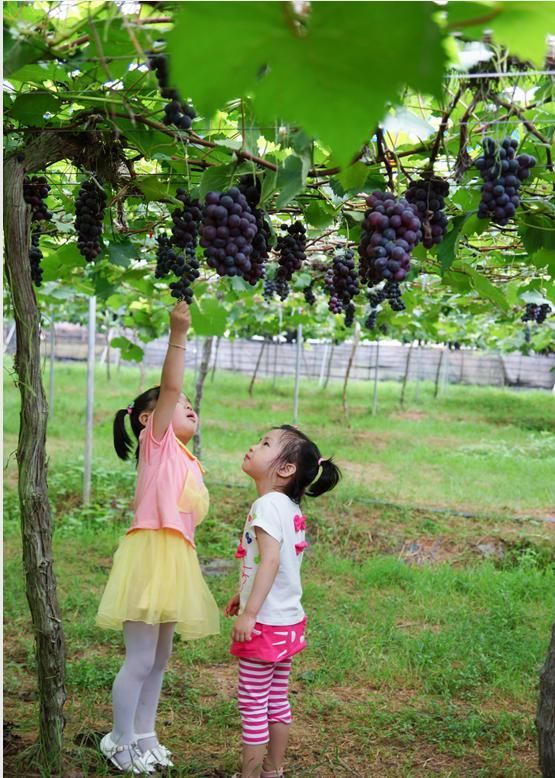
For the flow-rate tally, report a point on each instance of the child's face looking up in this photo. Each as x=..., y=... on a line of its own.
x=259, y=459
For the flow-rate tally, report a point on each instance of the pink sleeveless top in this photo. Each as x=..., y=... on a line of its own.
x=170, y=492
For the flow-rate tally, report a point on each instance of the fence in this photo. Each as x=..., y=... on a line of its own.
x=323, y=361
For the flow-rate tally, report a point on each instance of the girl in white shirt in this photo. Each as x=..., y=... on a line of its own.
x=270, y=627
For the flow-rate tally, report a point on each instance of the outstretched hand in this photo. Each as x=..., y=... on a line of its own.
x=180, y=318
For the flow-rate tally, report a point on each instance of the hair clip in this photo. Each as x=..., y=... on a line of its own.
x=130, y=408
x=320, y=461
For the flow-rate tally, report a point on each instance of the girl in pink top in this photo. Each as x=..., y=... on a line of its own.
x=156, y=586
x=270, y=627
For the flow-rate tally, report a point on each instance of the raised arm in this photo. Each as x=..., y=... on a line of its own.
x=171, y=382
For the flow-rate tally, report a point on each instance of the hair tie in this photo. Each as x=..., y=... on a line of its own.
x=320, y=461
x=130, y=408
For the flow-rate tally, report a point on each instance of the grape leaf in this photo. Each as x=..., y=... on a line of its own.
x=29, y=109
x=316, y=77
x=290, y=180
x=486, y=289
x=19, y=52
x=447, y=249
x=129, y=351
x=320, y=214
x=122, y=252
x=216, y=179
x=209, y=317
x=520, y=25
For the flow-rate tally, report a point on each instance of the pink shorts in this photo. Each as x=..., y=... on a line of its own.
x=272, y=643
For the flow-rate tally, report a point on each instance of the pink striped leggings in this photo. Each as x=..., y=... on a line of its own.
x=263, y=698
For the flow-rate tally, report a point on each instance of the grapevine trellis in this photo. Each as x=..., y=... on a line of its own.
x=128, y=181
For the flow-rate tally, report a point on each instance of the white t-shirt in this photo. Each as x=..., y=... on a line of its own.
x=277, y=515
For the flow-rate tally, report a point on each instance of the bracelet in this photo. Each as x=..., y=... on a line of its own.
x=177, y=345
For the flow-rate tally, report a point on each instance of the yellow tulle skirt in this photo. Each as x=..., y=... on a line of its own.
x=156, y=578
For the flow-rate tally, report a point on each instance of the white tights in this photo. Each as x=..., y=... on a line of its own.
x=137, y=686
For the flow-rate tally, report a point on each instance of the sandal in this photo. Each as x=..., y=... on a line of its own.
x=158, y=755
x=137, y=765
x=272, y=773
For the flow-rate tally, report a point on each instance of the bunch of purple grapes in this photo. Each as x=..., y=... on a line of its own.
x=89, y=215
x=502, y=173
x=250, y=187
x=185, y=267
x=176, y=112
x=35, y=192
x=291, y=250
x=391, y=229
x=186, y=221
x=428, y=195
x=227, y=232
x=35, y=256
x=342, y=282
x=309, y=295
x=537, y=313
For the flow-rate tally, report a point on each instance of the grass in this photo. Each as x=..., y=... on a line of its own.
x=423, y=652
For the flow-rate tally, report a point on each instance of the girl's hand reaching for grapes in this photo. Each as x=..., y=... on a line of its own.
x=180, y=318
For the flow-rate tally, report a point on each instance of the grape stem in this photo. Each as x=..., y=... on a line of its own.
x=383, y=152
x=463, y=161
x=528, y=124
x=442, y=127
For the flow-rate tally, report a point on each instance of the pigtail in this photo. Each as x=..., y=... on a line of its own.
x=122, y=441
x=328, y=480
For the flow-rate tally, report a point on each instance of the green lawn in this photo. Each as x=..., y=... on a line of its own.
x=424, y=653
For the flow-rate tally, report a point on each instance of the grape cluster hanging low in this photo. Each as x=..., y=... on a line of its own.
x=502, y=172
x=89, y=216
x=428, y=195
x=35, y=192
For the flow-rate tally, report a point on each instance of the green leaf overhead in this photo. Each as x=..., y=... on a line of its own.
x=329, y=78
x=521, y=26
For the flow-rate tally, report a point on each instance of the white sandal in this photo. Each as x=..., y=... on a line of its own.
x=159, y=755
x=137, y=765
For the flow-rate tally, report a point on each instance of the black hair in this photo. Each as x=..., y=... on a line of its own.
x=144, y=402
x=299, y=450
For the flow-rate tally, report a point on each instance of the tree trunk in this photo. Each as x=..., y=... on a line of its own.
x=199, y=385
x=215, y=358
x=298, y=352
x=438, y=372
x=405, y=377
x=545, y=716
x=323, y=365
x=376, y=369
x=52, y=359
x=328, y=371
x=36, y=525
x=89, y=415
x=356, y=340
x=276, y=351
x=258, y=361
x=106, y=356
